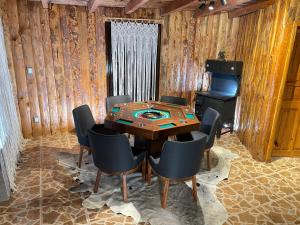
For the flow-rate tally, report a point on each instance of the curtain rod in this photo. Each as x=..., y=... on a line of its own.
x=159, y=21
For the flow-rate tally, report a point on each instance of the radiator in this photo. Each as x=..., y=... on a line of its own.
x=4, y=182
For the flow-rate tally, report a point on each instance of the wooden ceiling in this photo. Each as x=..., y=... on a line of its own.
x=234, y=7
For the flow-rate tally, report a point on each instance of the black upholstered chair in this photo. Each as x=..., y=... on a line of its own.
x=173, y=100
x=112, y=154
x=112, y=100
x=209, y=125
x=84, y=120
x=179, y=161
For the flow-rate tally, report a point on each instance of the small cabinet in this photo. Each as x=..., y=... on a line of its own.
x=225, y=107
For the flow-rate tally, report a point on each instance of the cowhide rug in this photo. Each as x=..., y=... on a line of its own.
x=144, y=200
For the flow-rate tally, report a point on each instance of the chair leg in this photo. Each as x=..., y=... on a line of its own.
x=194, y=190
x=124, y=186
x=165, y=193
x=144, y=169
x=80, y=156
x=149, y=173
x=208, y=159
x=97, y=181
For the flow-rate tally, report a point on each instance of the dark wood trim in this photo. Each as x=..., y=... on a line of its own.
x=208, y=158
x=96, y=187
x=124, y=187
x=158, y=63
x=134, y=5
x=177, y=6
x=109, y=73
x=92, y=5
x=164, y=198
x=194, y=187
x=249, y=9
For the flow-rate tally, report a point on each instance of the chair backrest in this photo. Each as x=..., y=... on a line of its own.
x=111, y=152
x=83, y=120
x=112, y=100
x=209, y=125
x=173, y=100
x=181, y=159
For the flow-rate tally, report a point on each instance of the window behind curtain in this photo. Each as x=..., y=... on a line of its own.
x=134, y=59
x=10, y=131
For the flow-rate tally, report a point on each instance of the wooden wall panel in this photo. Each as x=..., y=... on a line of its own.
x=19, y=65
x=29, y=62
x=261, y=39
x=65, y=46
x=264, y=44
x=49, y=70
x=186, y=44
x=68, y=54
x=38, y=56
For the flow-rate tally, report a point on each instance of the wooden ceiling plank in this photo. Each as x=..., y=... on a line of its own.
x=93, y=4
x=62, y=2
x=250, y=8
x=45, y=4
x=133, y=5
x=231, y=5
x=177, y=5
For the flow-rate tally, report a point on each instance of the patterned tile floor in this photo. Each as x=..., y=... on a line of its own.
x=255, y=193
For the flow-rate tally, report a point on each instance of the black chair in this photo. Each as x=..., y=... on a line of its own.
x=112, y=154
x=111, y=101
x=173, y=100
x=209, y=125
x=179, y=161
x=84, y=120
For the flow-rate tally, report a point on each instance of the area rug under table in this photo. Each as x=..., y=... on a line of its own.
x=144, y=200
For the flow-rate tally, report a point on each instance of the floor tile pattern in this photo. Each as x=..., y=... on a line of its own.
x=255, y=193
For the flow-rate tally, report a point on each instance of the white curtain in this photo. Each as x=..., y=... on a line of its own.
x=10, y=131
x=134, y=59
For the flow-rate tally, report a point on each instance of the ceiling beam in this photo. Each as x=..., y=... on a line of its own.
x=178, y=5
x=231, y=5
x=133, y=5
x=92, y=5
x=250, y=8
x=45, y=4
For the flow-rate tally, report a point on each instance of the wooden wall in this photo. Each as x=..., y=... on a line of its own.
x=261, y=39
x=65, y=46
x=186, y=44
x=265, y=44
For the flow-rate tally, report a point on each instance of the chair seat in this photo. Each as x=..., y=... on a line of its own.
x=197, y=135
x=193, y=135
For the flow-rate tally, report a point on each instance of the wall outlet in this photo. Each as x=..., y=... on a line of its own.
x=36, y=119
x=29, y=71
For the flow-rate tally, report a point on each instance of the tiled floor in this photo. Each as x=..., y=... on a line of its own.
x=255, y=193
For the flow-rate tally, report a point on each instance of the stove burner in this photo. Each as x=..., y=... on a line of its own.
x=152, y=115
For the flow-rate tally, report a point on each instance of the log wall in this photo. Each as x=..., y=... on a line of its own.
x=186, y=44
x=265, y=44
x=65, y=46
x=261, y=39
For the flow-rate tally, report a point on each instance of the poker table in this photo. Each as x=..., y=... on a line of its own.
x=153, y=121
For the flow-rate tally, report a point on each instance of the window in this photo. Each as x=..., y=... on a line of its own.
x=133, y=55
